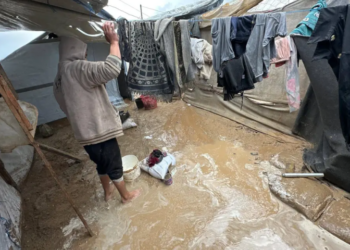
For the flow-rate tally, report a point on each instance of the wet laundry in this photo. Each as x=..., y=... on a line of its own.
x=194, y=27
x=332, y=37
x=165, y=38
x=222, y=47
x=202, y=58
x=186, y=50
x=241, y=28
x=179, y=61
x=292, y=78
x=148, y=73
x=307, y=25
x=261, y=44
x=283, y=50
x=237, y=76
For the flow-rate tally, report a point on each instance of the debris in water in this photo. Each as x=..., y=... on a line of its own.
x=149, y=137
x=274, y=161
x=254, y=153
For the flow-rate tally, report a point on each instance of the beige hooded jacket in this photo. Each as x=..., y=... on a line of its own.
x=80, y=91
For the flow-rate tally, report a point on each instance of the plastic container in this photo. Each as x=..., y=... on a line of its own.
x=131, y=168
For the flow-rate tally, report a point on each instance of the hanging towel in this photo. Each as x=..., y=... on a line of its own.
x=148, y=73
x=292, y=78
x=181, y=74
x=186, y=50
x=283, y=49
x=165, y=39
x=222, y=48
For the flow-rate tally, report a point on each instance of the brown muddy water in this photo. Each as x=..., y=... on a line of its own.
x=219, y=199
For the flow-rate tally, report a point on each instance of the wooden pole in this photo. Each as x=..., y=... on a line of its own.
x=36, y=146
x=59, y=152
x=10, y=98
x=2, y=72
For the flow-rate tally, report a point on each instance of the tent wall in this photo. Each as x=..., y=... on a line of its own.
x=32, y=70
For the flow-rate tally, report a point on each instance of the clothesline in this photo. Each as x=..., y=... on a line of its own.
x=287, y=13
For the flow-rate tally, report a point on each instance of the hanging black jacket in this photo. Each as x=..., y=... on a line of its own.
x=237, y=76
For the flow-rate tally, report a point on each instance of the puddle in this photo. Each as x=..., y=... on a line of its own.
x=216, y=202
x=219, y=198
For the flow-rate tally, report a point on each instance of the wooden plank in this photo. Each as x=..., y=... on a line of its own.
x=2, y=72
x=42, y=156
x=9, y=97
x=60, y=152
x=6, y=176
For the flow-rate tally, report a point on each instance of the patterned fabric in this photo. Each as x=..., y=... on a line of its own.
x=180, y=60
x=148, y=73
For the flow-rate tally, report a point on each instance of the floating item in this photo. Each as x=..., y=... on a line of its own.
x=131, y=168
x=159, y=170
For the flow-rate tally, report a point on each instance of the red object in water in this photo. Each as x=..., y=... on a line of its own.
x=149, y=102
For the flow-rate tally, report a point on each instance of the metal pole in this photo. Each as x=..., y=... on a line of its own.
x=141, y=11
x=296, y=175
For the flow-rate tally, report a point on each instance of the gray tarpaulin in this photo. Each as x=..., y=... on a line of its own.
x=62, y=17
x=32, y=70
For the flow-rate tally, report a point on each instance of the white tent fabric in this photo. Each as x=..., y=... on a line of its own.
x=32, y=70
x=269, y=5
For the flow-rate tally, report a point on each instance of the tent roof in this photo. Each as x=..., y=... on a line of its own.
x=62, y=17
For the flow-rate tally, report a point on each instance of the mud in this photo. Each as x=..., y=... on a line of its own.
x=220, y=197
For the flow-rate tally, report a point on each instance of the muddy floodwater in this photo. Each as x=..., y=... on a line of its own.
x=220, y=197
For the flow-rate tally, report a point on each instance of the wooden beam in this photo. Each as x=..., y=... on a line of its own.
x=40, y=153
x=2, y=72
x=10, y=98
x=60, y=152
x=6, y=176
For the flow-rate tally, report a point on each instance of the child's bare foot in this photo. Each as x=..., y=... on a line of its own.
x=132, y=195
x=108, y=195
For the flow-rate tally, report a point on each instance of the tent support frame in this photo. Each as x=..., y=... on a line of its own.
x=17, y=111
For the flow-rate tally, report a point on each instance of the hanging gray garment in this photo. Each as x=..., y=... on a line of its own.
x=194, y=27
x=276, y=25
x=254, y=50
x=222, y=47
x=165, y=39
x=186, y=49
